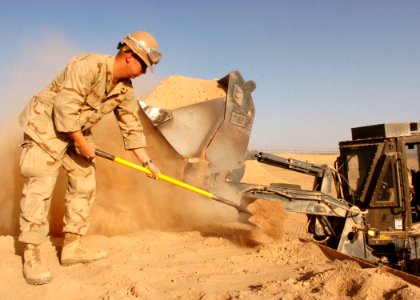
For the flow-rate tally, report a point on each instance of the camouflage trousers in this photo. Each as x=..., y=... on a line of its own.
x=40, y=171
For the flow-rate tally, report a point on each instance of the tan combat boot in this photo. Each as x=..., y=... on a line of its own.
x=34, y=269
x=73, y=252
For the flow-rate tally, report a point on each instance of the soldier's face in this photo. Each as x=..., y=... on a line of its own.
x=135, y=67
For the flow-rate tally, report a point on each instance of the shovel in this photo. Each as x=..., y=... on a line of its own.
x=245, y=214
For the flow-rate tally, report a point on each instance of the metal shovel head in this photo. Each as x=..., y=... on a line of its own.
x=244, y=214
x=156, y=115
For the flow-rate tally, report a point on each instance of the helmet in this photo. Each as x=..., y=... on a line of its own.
x=145, y=46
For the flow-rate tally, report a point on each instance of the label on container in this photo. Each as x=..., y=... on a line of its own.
x=398, y=224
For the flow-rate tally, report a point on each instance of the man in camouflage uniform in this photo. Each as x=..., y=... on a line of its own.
x=57, y=133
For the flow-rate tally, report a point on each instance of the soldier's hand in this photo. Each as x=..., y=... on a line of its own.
x=154, y=169
x=87, y=150
x=83, y=147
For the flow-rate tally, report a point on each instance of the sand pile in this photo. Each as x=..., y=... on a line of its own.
x=178, y=91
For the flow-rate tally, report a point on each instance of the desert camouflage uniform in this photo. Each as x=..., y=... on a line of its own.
x=75, y=101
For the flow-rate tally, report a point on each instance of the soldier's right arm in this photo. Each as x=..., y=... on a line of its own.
x=76, y=85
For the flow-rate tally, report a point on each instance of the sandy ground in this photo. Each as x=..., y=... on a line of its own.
x=164, y=243
x=221, y=260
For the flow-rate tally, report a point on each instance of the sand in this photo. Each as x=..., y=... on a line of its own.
x=167, y=243
x=177, y=91
x=219, y=260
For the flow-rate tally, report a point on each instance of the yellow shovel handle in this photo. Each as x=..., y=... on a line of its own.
x=147, y=171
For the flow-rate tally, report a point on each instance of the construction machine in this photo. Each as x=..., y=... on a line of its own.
x=365, y=206
x=375, y=211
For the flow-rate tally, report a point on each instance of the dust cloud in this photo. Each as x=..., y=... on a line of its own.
x=269, y=216
x=36, y=60
x=10, y=180
x=127, y=199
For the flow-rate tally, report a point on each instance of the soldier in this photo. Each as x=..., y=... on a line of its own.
x=57, y=133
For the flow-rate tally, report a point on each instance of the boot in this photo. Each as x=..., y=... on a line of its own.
x=34, y=269
x=73, y=252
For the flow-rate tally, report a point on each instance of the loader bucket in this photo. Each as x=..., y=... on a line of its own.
x=216, y=130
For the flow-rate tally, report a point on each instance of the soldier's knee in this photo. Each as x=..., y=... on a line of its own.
x=85, y=186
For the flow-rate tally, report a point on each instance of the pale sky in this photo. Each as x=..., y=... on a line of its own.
x=321, y=67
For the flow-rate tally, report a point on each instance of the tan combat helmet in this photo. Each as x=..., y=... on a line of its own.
x=145, y=46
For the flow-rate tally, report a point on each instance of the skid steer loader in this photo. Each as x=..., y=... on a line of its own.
x=366, y=206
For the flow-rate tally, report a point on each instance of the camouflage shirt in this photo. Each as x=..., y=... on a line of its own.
x=76, y=100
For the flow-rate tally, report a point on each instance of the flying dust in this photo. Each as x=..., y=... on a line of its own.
x=127, y=199
x=269, y=216
x=10, y=179
x=158, y=204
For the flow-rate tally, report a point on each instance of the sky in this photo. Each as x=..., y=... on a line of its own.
x=321, y=67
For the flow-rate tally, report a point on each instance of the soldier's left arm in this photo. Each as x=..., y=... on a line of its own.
x=127, y=114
